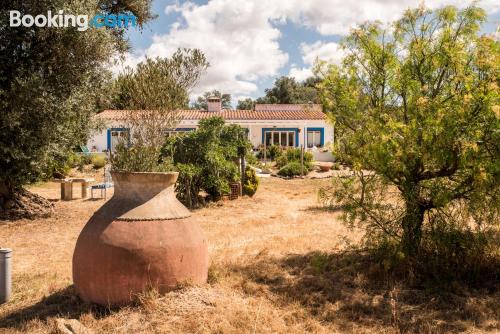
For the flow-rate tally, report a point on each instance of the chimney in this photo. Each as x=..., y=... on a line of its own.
x=214, y=104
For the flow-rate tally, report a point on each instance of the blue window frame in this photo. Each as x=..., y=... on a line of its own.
x=312, y=137
x=280, y=136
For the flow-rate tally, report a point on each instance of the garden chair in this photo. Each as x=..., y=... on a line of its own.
x=108, y=183
x=85, y=150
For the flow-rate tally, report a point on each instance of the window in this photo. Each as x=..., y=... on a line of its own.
x=313, y=138
x=118, y=136
x=279, y=137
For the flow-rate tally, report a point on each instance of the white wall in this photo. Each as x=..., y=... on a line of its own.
x=99, y=140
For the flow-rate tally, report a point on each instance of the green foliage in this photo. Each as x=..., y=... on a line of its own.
x=98, y=161
x=50, y=85
x=74, y=159
x=293, y=155
x=139, y=158
x=251, y=182
x=246, y=104
x=291, y=169
x=206, y=159
x=252, y=160
x=153, y=92
x=281, y=161
x=288, y=90
x=418, y=106
x=272, y=152
x=201, y=101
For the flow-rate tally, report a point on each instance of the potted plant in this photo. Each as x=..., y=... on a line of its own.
x=143, y=237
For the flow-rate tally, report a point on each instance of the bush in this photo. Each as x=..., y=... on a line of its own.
x=281, y=161
x=98, y=161
x=251, y=182
x=291, y=169
x=206, y=159
x=252, y=160
x=293, y=155
x=272, y=152
x=74, y=160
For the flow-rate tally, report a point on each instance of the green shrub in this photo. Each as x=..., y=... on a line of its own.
x=74, y=160
x=252, y=160
x=98, y=161
x=281, y=161
x=293, y=155
x=206, y=159
x=251, y=182
x=57, y=167
x=86, y=159
x=272, y=152
x=291, y=169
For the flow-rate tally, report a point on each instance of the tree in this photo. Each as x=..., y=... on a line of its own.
x=201, y=101
x=50, y=81
x=153, y=93
x=288, y=90
x=416, y=113
x=206, y=159
x=246, y=104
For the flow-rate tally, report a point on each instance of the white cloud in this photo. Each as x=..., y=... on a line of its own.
x=319, y=50
x=330, y=52
x=337, y=17
x=241, y=37
x=237, y=37
x=300, y=73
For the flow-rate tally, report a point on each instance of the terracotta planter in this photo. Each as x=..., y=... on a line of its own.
x=325, y=168
x=141, y=238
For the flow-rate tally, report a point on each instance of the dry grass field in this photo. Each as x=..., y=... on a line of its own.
x=278, y=265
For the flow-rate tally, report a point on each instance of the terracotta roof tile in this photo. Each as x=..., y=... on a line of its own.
x=262, y=112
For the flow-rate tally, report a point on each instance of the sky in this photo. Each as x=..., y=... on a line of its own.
x=249, y=43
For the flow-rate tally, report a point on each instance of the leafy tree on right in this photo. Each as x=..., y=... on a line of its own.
x=417, y=116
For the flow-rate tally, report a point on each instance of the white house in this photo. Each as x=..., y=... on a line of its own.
x=288, y=125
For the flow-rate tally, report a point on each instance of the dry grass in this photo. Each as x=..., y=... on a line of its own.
x=277, y=266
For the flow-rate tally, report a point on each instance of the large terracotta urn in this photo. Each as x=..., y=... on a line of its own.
x=142, y=238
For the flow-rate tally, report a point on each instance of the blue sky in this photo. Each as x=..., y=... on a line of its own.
x=251, y=42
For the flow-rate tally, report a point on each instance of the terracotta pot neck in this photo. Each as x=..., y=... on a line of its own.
x=150, y=196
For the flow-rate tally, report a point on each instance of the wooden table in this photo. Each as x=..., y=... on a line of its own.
x=67, y=187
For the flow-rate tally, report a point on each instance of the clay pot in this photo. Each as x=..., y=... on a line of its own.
x=325, y=167
x=141, y=238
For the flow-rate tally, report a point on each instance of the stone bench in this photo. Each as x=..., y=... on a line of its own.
x=67, y=187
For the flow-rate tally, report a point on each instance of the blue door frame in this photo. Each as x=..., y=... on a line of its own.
x=109, y=136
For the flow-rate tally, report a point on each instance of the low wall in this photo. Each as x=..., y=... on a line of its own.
x=323, y=156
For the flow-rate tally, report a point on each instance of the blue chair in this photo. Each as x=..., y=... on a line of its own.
x=108, y=183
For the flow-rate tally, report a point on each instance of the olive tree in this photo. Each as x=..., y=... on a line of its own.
x=152, y=93
x=416, y=112
x=50, y=83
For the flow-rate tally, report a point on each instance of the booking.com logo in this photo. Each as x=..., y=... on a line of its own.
x=68, y=20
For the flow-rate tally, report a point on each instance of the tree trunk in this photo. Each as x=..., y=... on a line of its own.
x=18, y=203
x=412, y=226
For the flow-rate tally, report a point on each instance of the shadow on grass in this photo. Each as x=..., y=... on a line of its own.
x=63, y=303
x=324, y=208
x=352, y=291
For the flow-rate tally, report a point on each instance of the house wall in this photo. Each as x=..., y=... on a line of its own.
x=100, y=140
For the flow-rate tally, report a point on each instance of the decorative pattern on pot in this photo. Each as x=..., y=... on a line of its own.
x=142, y=238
